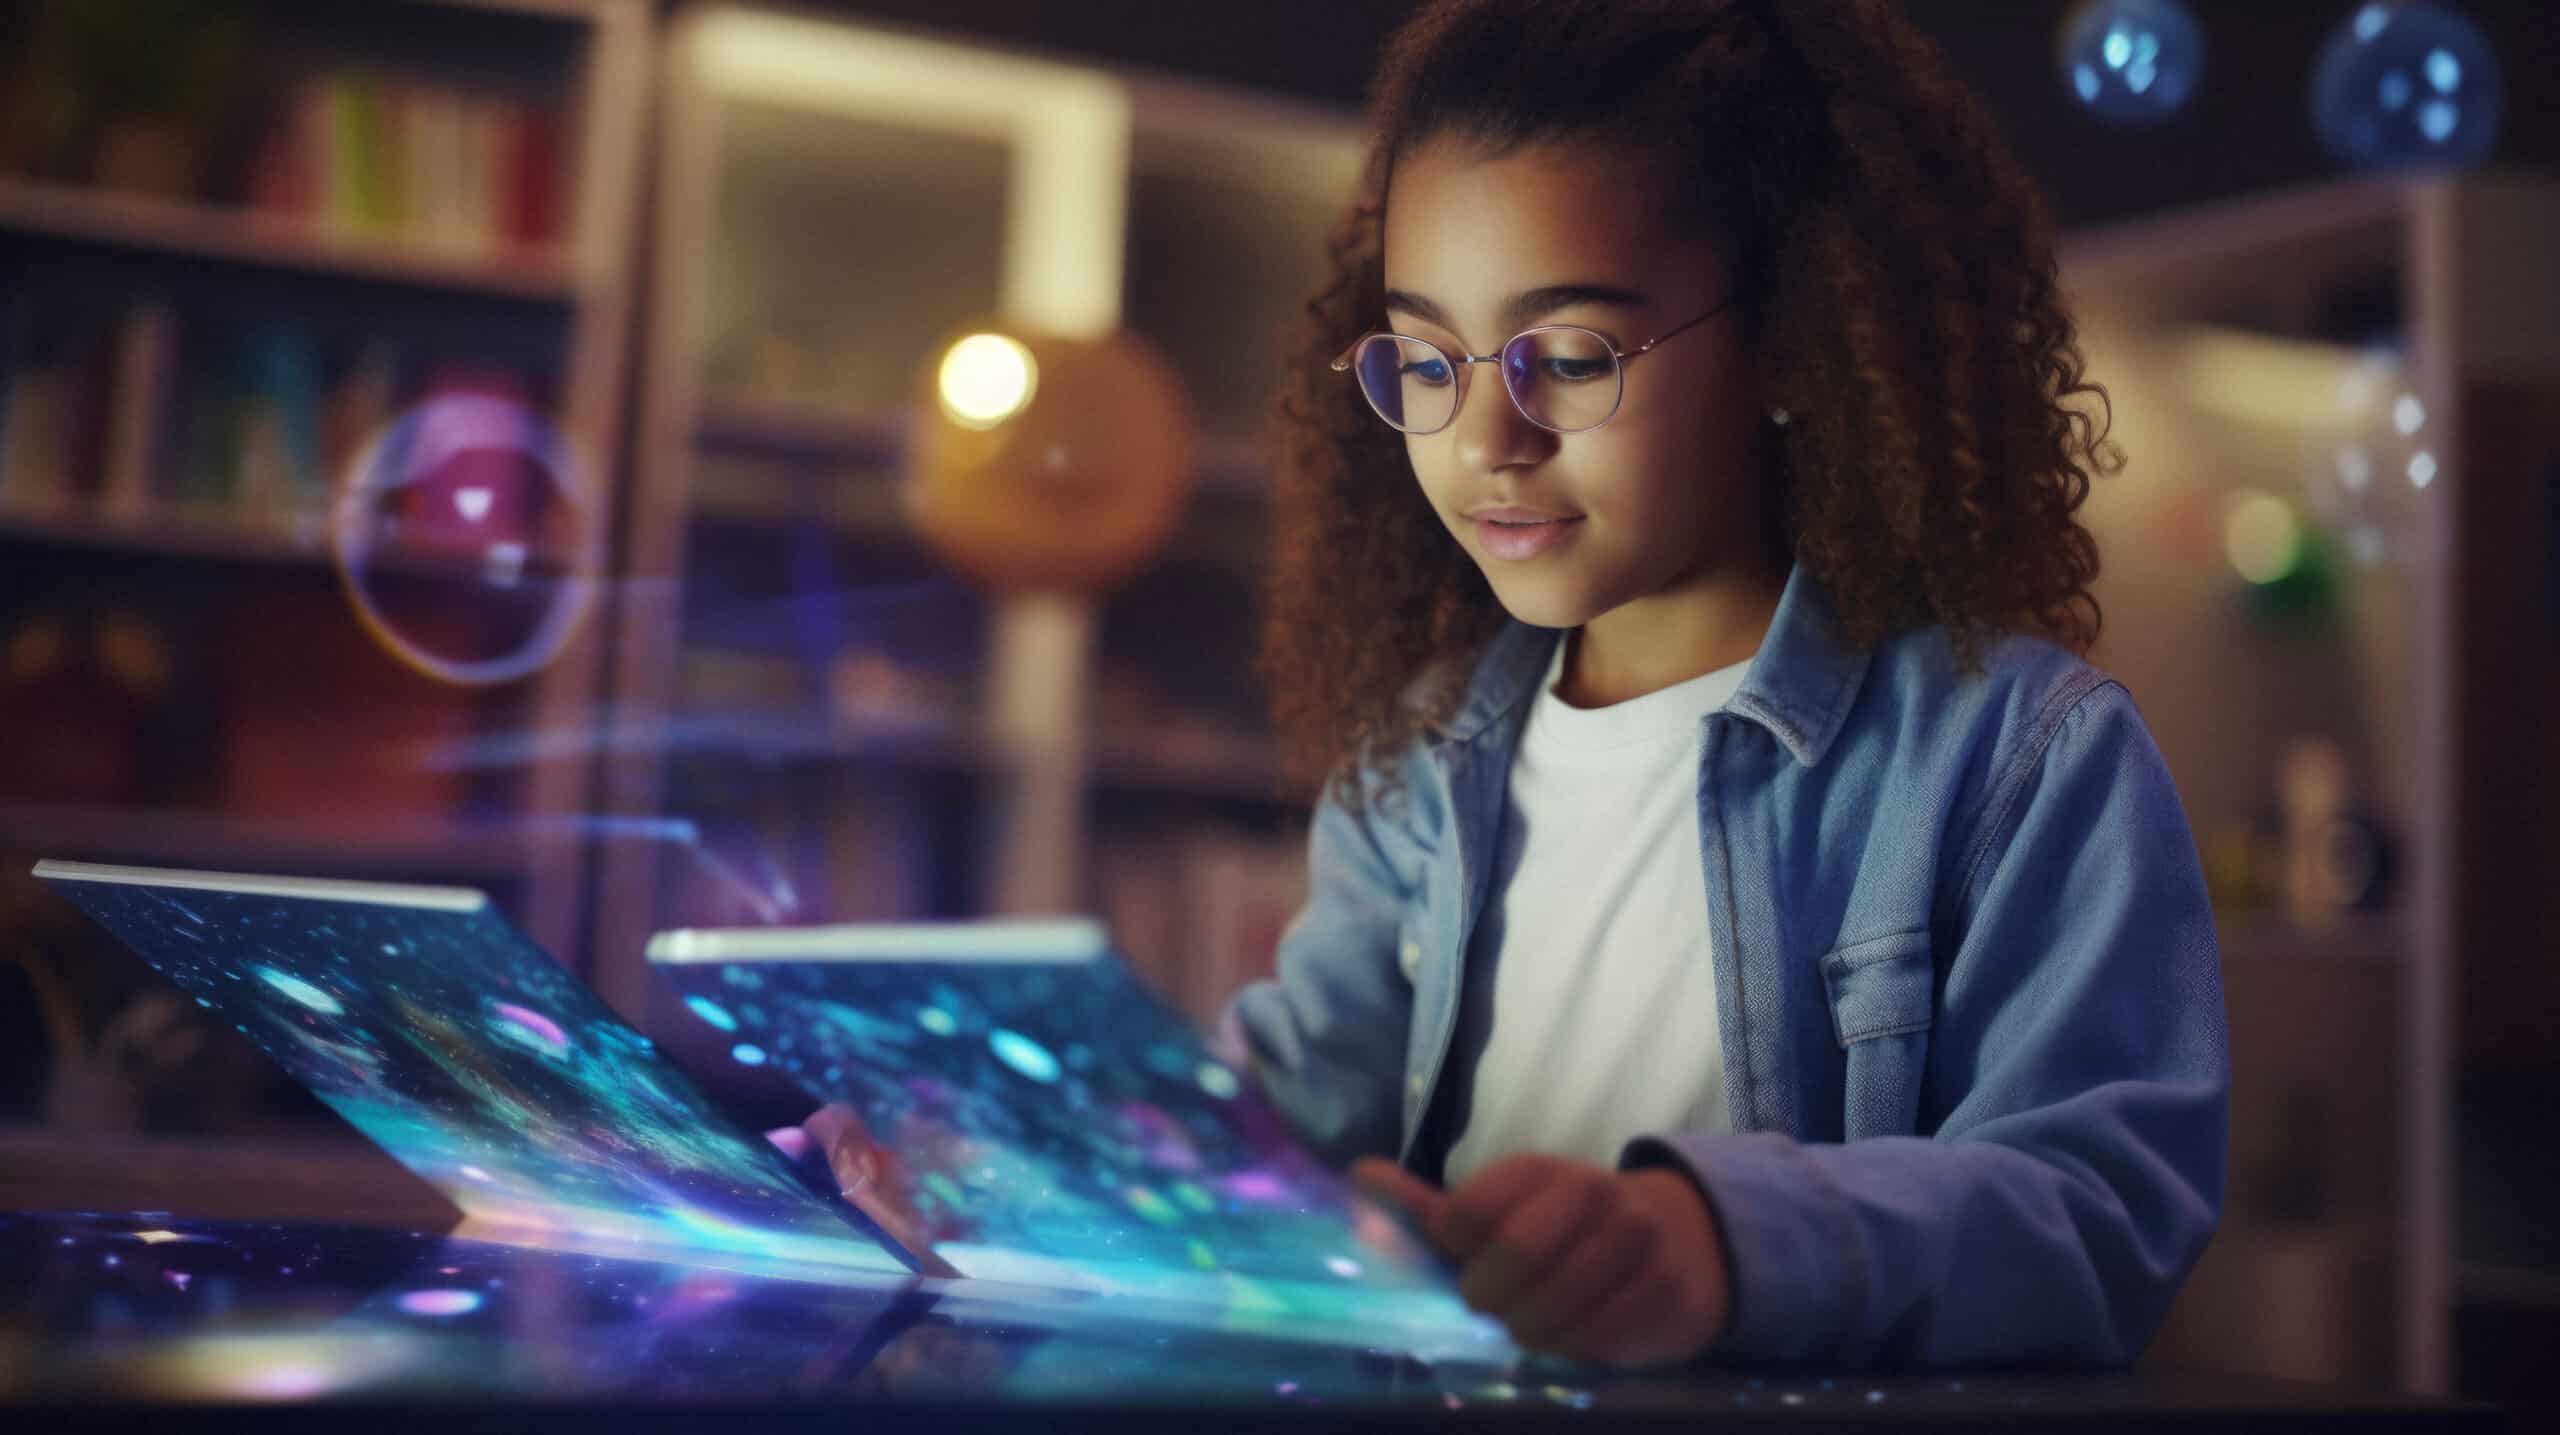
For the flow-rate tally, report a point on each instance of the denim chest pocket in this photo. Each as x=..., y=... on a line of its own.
x=1883, y=1000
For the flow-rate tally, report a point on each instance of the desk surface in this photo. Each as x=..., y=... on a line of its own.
x=131, y=1320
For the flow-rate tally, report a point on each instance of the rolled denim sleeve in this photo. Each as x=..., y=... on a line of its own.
x=1325, y=1035
x=2079, y=1057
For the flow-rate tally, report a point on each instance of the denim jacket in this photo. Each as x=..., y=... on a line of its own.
x=1966, y=979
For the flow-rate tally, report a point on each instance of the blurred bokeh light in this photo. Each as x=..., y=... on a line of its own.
x=2406, y=85
x=2132, y=62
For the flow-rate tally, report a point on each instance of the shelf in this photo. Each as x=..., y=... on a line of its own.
x=785, y=427
x=207, y=532
x=244, y=236
x=746, y=426
x=768, y=464
x=411, y=847
x=1209, y=764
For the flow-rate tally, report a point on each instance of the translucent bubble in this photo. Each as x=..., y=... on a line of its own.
x=466, y=539
x=2406, y=84
x=2131, y=62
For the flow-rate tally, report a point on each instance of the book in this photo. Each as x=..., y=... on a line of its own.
x=137, y=411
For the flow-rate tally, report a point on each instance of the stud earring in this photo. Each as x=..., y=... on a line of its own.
x=1779, y=417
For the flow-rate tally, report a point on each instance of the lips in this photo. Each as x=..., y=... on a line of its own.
x=1514, y=533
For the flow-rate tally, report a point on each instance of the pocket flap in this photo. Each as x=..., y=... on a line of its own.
x=1879, y=987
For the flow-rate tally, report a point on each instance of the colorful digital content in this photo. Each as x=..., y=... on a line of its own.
x=1053, y=1123
x=485, y=1068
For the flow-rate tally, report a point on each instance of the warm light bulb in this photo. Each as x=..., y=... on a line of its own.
x=986, y=379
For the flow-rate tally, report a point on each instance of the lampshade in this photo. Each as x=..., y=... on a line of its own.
x=1041, y=463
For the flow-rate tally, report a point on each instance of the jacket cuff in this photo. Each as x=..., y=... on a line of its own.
x=1791, y=1243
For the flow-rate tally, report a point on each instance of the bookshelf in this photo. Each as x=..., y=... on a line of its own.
x=209, y=310
x=194, y=230
x=2346, y=353
x=833, y=197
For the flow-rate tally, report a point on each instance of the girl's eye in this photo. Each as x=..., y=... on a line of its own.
x=1576, y=371
x=1429, y=371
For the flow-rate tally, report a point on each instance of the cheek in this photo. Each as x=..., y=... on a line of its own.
x=1431, y=466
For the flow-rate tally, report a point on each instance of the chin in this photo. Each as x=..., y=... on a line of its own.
x=1542, y=607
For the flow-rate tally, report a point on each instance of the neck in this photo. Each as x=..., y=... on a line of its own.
x=1713, y=621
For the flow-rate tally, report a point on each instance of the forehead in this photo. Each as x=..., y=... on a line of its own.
x=1468, y=229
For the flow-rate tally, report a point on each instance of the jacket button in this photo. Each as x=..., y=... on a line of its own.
x=1409, y=959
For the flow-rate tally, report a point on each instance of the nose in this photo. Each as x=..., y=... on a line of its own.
x=1490, y=432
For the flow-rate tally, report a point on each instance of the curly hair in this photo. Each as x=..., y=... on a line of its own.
x=1898, y=296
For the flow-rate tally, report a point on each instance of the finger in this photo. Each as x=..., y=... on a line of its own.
x=1605, y=1263
x=1398, y=1189
x=1530, y=1247
x=834, y=1124
x=852, y=1156
x=856, y=1160
x=902, y=1225
x=1478, y=1207
x=1639, y=1324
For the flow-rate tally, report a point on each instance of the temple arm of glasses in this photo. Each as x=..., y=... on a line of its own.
x=1648, y=344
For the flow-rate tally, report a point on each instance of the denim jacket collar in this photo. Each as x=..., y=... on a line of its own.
x=1800, y=686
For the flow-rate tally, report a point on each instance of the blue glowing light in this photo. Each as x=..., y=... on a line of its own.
x=301, y=991
x=747, y=1053
x=1023, y=1055
x=2411, y=85
x=712, y=1012
x=2131, y=62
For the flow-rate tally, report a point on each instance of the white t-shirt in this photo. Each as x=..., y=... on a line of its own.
x=1604, y=998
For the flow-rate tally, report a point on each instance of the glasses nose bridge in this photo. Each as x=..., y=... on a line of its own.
x=1465, y=364
x=1511, y=412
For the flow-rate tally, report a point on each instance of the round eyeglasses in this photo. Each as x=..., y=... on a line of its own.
x=1561, y=377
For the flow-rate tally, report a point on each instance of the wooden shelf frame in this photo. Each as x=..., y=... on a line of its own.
x=248, y=236
x=681, y=419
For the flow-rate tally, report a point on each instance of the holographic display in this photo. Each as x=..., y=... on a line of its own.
x=1052, y=1123
x=424, y=1019
x=147, y=1307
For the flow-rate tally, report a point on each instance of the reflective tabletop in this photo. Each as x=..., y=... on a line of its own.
x=139, y=1319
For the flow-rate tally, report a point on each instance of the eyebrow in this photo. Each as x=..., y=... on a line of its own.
x=1528, y=304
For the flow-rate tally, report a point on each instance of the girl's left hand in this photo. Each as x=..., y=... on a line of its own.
x=1601, y=1266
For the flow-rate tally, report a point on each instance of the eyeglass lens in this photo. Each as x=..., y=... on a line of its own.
x=1563, y=378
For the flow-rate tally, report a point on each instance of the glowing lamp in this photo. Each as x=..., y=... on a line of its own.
x=1048, y=464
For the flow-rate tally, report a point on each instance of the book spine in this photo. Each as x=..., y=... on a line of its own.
x=480, y=136
x=533, y=177
x=18, y=377
x=146, y=347
x=284, y=175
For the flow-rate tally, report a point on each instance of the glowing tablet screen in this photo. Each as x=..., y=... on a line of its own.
x=453, y=1042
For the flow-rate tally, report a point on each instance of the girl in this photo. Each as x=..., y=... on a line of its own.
x=1738, y=923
